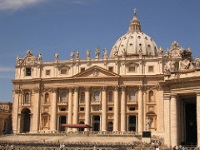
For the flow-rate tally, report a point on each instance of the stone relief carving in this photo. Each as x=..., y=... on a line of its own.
x=186, y=62
x=175, y=51
x=96, y=72
x=170, y=66
x=179, y=59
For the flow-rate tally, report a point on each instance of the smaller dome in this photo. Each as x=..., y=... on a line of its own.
x=134, y=42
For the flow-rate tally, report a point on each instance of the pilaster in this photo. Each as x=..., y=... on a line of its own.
x=87, y=106
x=140, y=110
x=54, y=110
x=104, y=111
x=15, y=111
x=123, y=109
x=198, y=118
x=75, y=109
x=69, y=121
x=116, y=109
x=35, y=127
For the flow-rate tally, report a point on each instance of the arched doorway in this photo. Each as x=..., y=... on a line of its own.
x=62, y=120
x=132, y=123
x=81, y=129
x=96, y=123
x=25, y=120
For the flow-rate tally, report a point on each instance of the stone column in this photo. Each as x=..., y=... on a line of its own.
x=140, y=110
x=174, y=120
x=35, y=127
x=15, y=123
x=116, y=109
x=87, y=107
x=54, y=110
x=123, y=109
x=198, y=118
x=166, y=99
x=104, y=110
x=75, y=109
x=69, y=121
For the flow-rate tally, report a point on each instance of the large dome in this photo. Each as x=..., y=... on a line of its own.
x=134, y=42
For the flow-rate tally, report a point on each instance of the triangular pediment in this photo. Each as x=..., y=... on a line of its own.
x=95, y=72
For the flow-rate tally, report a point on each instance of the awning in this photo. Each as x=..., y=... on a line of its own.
x=76, y=125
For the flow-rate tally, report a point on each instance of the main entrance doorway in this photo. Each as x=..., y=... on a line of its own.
x=132, y=123
x=189, y=122
x=25, y=120
x=96, y=123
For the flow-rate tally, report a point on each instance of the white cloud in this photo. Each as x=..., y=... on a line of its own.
x=6, y=69
x=17, y=4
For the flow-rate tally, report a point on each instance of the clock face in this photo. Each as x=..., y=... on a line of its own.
x=29, y=60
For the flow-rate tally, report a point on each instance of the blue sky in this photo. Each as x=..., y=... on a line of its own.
x=50, y=26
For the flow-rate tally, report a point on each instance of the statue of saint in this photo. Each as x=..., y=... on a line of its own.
x=88, y=53
x=39, y=57
x=72, y=55
x=97, y=52
x=105, y=53
x=56, y=56
x=77, y=55
x=148, y=124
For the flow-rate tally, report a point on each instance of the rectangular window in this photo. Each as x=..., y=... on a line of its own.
x=63, y=71
x=28, y=72
x=82, y=109
x=110, y=109
x=47, y=72
x=132, y=69
x=82, y=69
x=96, y=108
x=110, y=69
x=151, y=68
x=132, y=108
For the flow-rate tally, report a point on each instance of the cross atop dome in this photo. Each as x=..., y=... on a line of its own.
x=135, y=23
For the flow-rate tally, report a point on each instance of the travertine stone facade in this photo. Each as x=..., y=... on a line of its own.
x=137, y=88
x=5, y=117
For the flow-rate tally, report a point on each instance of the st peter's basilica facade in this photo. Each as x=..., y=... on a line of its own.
x=135, y=84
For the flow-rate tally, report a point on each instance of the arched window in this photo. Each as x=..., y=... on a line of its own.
x=151, y=97
x=132, y=96
x=46, y=99
x=96, y=96
x=26, y=98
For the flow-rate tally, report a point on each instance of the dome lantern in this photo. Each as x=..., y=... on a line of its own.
x=135, y=23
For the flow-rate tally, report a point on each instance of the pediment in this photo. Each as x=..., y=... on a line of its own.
x=95, y=72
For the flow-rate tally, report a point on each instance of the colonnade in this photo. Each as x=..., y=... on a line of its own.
x=173, y=126
x=119, y=112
